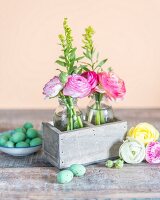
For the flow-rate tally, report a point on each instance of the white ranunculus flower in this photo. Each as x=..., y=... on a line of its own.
x=132, y=151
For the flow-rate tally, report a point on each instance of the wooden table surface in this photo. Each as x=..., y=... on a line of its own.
x=32, y=177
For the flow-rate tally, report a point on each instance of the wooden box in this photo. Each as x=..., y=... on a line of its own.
x=87, y=145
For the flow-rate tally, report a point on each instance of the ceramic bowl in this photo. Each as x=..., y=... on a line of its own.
x=20, y=151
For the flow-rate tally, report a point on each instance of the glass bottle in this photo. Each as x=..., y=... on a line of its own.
x=99, y=111
x=67, y=115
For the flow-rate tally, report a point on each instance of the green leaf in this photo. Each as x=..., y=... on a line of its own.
x=97, y=57
x=102, y=63
x=84, y=67
x=72, y=50
x=110, y=69
x=79, y=58
x=87, y=55
x=72, y=57
x=66, y=51
x=62, y=57
x=92, y=52
x=63, y=77
x=80, y=71
x=61, y=63
x=71, y=69
x=81, y=68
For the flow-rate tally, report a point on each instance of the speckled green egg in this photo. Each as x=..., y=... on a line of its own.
x=65, y=176
x=3, y=140
x=28, y=125
x=22, y=144
x=32, y=133
x=9, y=144
x=21, y=129
x=77, y=169
x=18, y=137
x=7, y=134
x=27, y=140
x=35, y=142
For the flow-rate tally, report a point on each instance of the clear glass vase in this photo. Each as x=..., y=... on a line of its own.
x=99, y=111
x=67, y=115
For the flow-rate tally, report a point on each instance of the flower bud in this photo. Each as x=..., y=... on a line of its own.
x=119, y=164
x=109, y=163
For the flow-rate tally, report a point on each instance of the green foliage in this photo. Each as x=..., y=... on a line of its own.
x=63, y=77
x=81, y=68
x=89, y=50
x=102, y=63
x=68, y=59
x=88, y=43
x=110, y=69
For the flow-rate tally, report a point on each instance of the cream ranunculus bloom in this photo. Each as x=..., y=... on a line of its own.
x=132, y=151
x=144, y=132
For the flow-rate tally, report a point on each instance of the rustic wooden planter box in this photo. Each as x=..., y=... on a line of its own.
x=87, y=145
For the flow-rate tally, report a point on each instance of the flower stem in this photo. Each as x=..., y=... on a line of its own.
x=97, y=118
x=91, y=113
x=71, y=123
x=80, y=121
x=75, y=121
x=102, y=117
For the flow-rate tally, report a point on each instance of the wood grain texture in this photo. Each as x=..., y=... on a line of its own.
x=99, y=183
x=87, y=145
x=34, y=178
x=35, y=160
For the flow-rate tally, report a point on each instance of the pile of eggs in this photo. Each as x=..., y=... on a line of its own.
x=65, y=176
x=25, y=136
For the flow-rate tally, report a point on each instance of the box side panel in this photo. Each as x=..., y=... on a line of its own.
x=91, y=145
x=51, y=144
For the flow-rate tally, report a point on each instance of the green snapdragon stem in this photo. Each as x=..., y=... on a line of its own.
x=97, y=117
x=80, y=122
x=71, y=123
x=68, y=123
x=102, y=117
x=75, y=121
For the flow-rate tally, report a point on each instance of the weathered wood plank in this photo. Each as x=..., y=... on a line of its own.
x=35, y=160
x=36, y=183
x=83, y=146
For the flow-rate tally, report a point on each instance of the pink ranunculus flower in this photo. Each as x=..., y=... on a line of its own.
x=113, y=86
x=52, y=88
x=153, y=152
x=77, y=87
x=91, y=77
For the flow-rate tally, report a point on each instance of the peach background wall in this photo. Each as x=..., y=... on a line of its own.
x=127, y=33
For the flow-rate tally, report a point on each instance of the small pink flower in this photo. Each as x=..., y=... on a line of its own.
x=77, y=87
x=91, y=77
x=53, y=87
x=113, y=86
x=153, y=152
